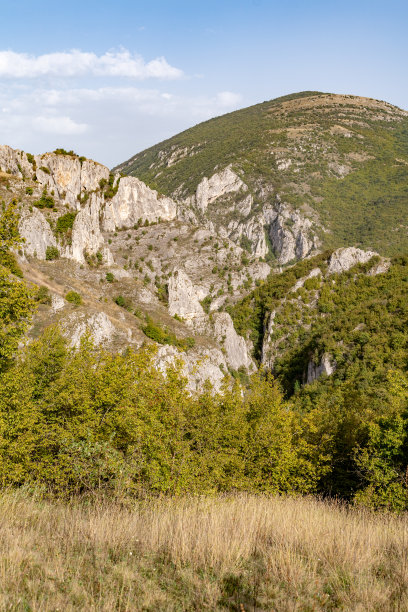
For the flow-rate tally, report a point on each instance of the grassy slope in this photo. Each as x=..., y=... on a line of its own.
x=365, y=208
x=230, y=553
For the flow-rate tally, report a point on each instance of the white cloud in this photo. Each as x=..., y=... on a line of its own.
x=228, y=98
x=106, y=123
x=77, y=63
x=58, y=125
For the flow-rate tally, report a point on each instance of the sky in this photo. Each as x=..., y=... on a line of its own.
x=108, y=79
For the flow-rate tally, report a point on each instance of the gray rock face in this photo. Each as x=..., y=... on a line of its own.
x=344, y=259
x=134, y=201
x=219, y=184
x=291, y=235
x=98, y=325
x=184, y=298
x=315, y=371
x=15, y=162
x=199, y=366
x=268, y=356
x=254, y=230
x=236, y=350
x=36, y=231
x=86, y=234
x=57, y=302
x=68, y=177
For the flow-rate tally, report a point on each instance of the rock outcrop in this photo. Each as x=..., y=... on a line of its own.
x=345, y=258
x=37, y=233
x=86, y=234
x=234, y=346
x=15, y=162
x=316, y=370
x=291, y=235
x=68, y=176
x=219, y=184
x=135, y=201
x=199, y=366
x=184, y=298
x=98, y=325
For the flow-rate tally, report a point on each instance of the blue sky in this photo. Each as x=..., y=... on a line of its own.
x=108, y=79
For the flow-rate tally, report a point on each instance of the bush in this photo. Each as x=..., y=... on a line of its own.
x=46, y=201
x=51, y=253
x=74, y=298
x=159, y=334
x=109, y=277
x=123, y=302
x=29, y=190
x=43, y=295
x=65, y=222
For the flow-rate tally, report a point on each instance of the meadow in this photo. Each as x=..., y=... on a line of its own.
x=235, y=552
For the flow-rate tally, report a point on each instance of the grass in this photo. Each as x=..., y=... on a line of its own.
x=224, y=553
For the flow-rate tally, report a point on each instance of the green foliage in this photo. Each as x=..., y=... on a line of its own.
x=9, y=235
x=74, y=298
x=43, y=295
x=107, y=186
x=206, y=303
x=110, y=277
x=16, y=299
x=80, y=420
x=46, y=201
x=51, y=253
x=249, y=315
x=45, y=169
x=65, y=222
x=160, y=334
x=29, y=190
x=64, y=152
x=123, y=302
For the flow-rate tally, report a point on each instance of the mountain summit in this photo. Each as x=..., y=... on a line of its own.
x=327, y=170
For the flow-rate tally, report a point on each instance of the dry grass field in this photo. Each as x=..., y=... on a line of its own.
x=239, y=552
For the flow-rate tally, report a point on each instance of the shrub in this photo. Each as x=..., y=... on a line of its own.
x=29, y=190
x=74, y=298
x=45, y=169
x=51, y=253
x=206, y=303
x=123, y=302
x=43, y=295
x=162, y=335
x=109, y=277
x=65, y=222
x=46, y=201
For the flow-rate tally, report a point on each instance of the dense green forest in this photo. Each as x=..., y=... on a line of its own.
x=77, y=420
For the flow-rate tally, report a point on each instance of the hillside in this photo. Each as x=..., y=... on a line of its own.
x=339, y=161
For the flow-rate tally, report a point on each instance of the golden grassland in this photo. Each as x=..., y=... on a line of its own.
x=242, y=552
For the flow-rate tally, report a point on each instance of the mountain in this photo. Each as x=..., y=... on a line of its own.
x=287, y=177
x=193, y=266
x=225, y=274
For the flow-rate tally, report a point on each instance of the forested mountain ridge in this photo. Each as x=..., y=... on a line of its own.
x=338, y=161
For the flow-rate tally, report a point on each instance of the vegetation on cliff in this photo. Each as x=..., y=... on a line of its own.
x=343, y=157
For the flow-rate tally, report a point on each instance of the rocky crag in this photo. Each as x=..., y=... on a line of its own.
x=230, y=203
x=132, y=258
